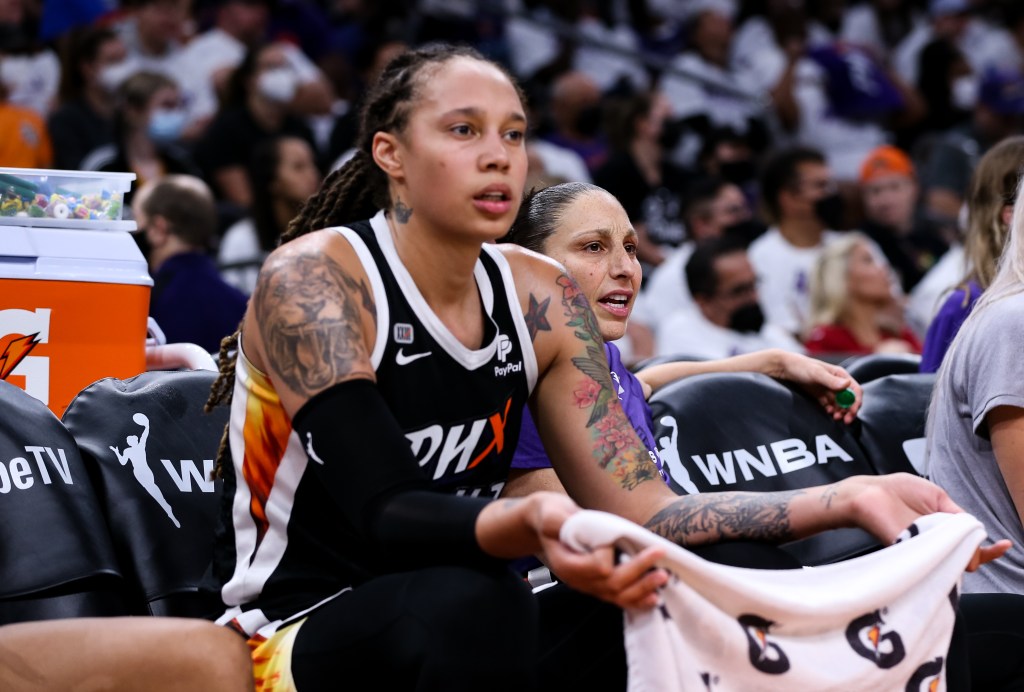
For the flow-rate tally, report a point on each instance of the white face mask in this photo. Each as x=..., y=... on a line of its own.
x=965, y=92
x=278, y=84
x=110, y=76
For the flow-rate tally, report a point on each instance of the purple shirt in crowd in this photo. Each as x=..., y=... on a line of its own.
x=946, y=324
x=530, y=452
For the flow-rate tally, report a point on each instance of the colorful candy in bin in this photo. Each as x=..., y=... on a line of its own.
x=72, y=199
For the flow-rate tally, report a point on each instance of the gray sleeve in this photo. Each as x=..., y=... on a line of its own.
x=996, y=376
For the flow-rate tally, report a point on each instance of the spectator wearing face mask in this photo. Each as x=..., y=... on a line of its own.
x=802, y=200
x=84, y=120
x=256, y=108
x=729, y=320
x=575, y=110
x=148, y=121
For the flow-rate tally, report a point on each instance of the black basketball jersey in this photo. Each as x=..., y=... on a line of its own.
x=460, y=410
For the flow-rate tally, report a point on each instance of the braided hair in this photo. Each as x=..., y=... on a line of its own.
x=359, y=188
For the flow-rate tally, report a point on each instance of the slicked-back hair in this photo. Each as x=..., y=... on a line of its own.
x=541, y=212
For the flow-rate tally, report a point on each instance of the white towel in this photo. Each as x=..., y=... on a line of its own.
x=882, y=621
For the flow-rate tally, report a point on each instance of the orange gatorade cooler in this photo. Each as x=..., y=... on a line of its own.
x=74, y=286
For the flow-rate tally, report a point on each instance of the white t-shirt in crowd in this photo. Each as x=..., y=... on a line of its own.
x=561, y=162
x=982, y=44
x=692, y=334
x=665, y=292
x=240, y=256
x=784, y=272
x=927, y=296
x=31, y=80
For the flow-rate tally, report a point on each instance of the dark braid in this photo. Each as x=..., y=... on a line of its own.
x=359, y=188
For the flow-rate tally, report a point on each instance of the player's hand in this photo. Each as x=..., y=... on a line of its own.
x=822, y=381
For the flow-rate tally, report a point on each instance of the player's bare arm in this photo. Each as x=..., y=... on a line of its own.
x=313, y=313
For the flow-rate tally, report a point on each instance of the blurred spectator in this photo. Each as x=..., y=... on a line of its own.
x=189, y=300
x=949, y=87
x=29, y=70
x=880, y=25
x=147, y=126
x=536, y=51
x=889, y=190
x=712, y=207
x=851, y=303
x=282, y=174
x=26, y=143
x=832, y=96
x=802, y=200
x=983, y=44
x=84, y=120
x=729, y=320
x=608, y=48
x=256, y=108
x=209, y=59
x=153, y=32
x=367, y=63
x=637, y=173
x=712, y=90
x=575, y=112
x=998, y=113
x=990, y=207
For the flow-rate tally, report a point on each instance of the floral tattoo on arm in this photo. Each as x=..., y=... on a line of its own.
x=616, y=447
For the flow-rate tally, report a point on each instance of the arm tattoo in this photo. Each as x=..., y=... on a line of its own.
x=402, y=212
x=536, y=316
x=310, y=324
x=727, y=516
x=616, y=447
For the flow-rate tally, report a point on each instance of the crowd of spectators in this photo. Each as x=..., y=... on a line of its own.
x=780, y=124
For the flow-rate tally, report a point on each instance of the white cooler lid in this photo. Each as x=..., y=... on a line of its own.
x=55, y=254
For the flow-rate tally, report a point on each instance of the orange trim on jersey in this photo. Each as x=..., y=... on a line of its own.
x=265, y=434
x=498, y=421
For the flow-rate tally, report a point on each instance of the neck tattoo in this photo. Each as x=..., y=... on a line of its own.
x=402, y=212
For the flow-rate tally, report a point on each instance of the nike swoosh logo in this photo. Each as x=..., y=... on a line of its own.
x=403, y=359
x=309, y=449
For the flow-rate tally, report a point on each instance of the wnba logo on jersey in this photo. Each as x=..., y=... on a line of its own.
x=20, y=332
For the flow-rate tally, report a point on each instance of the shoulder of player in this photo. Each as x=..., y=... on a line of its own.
x=326, y=246
x=530, y=269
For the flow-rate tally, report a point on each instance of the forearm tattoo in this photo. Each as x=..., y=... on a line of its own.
x=308, y=310
x=615, y=446
x=726, y=516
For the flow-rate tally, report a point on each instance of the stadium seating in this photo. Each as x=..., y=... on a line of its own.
x=872, y=366
x=56, y=556
x=890, y=424
x=746, y=431
x=152, y=449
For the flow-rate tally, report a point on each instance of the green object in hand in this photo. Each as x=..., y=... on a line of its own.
x=845, y=398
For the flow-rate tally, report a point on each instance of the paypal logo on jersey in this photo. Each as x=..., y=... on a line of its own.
x=504, y=348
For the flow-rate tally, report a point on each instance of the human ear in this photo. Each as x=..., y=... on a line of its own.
x=387, y=154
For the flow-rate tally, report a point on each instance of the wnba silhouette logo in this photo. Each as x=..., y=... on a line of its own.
x=765, y=655
x=28, y=328
x=866, y=637
x=135, y=452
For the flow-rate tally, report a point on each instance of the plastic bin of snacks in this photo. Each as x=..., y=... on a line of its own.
x=75, y=286
x=90, y=200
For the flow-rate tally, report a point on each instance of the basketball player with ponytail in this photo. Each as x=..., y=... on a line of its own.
x=376, y=387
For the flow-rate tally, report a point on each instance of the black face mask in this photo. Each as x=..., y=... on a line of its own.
x=671, y=133
x=588, y=122
x=745, y=230
x=830, y=210
x=737, y=172
x=747, y=319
